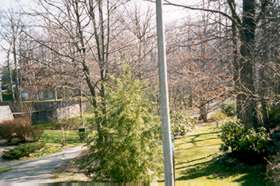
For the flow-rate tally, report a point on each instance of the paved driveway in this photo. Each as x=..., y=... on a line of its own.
x=37, y=171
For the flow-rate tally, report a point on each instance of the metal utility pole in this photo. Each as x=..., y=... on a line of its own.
x=164, y=99
x=1, y=94
x=81, y=105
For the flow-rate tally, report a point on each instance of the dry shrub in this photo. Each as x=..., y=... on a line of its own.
x=19, y=128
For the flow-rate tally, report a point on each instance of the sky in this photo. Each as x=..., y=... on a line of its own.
x=6, y=4
x=170, y=14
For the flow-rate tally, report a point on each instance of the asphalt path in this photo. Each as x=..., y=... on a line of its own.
x=36, y=171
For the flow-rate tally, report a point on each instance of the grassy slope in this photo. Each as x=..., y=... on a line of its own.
x=199, y=162
x=55, y=141
x=4, y=169
x=69, y=137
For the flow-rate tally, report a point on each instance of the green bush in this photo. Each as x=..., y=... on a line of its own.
x=229, y=109
x=181, y=123
x=237, y=138
x=22, y=150
x=126, y=147
x=274, y=115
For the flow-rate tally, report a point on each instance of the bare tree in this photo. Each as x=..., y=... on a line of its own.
x=244, y=29
x=199, y=66
x=12, y=29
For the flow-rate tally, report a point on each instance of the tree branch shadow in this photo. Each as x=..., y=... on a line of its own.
x=225, y=166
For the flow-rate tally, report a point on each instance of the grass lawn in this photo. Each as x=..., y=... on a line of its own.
x=52, y=141
x=49, y=148
x=68, y=137
x=4, y=169
x=199, y=162
x=55, y=141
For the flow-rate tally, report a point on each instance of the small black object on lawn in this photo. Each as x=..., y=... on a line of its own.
x=82, y=133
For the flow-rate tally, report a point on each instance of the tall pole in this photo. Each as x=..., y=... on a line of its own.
x=164, y=99
x=81, y=106
x=1, y=94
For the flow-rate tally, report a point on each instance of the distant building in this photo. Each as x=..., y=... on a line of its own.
x=5, y=113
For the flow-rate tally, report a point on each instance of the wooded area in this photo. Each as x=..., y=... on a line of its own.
x=105, y=51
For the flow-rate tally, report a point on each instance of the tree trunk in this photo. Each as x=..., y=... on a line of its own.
x=263, y=81
x=17, y=89
x=10, y=75
x=203, y=112
x=246, y=102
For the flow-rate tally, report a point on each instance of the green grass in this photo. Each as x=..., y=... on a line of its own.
x=54, y=134
x=54, y=141
x=47, y=126
x=68, y=137
x=48, y=149
x=199, y=162
x=4, y=169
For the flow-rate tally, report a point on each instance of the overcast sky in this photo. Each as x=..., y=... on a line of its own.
x=171, y=14
x=6, y=4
